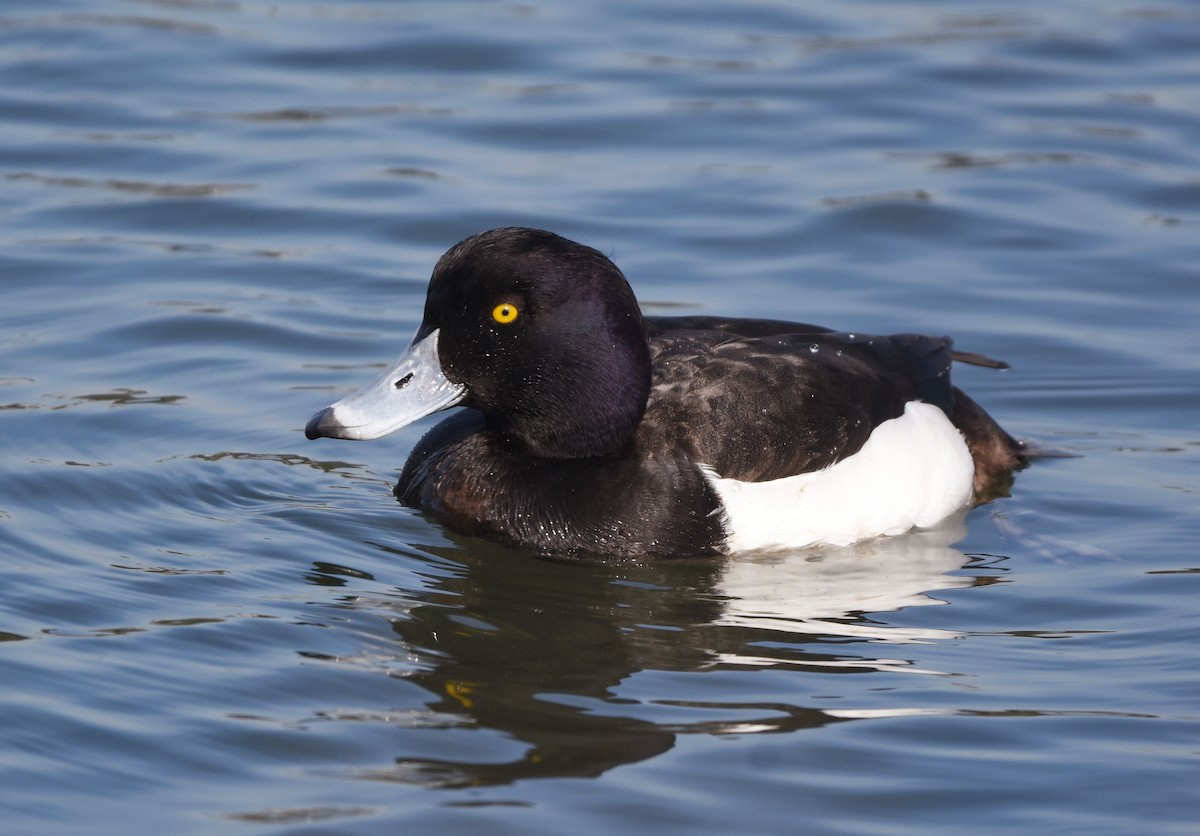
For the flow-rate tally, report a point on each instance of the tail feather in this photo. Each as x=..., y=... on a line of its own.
x=973, y=359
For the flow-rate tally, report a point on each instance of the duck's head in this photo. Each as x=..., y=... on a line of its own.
x=540, y=334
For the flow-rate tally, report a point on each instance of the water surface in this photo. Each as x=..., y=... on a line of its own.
x=217, y=217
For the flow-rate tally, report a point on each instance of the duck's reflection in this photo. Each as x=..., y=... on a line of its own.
x=556, y=656
x=825, y=592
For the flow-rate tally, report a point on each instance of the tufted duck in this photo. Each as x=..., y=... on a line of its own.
x=590, y=428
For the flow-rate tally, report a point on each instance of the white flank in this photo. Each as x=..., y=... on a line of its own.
x=913, y=472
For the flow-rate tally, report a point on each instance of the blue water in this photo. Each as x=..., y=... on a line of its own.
x=216, y=217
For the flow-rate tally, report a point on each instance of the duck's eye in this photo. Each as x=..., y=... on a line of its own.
x=505, y=313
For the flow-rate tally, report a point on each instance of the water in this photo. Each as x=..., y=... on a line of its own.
x=220, y=216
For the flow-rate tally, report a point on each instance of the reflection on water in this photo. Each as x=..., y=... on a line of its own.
x=825, y=592
x=541, y=651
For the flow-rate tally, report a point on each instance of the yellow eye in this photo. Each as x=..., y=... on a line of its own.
x=505, y=313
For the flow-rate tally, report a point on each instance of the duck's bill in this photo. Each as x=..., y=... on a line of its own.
x=413, y=387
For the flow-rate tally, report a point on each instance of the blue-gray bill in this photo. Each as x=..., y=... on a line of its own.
x=411, y=388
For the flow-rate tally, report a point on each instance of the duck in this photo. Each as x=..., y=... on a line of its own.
x=588, y=428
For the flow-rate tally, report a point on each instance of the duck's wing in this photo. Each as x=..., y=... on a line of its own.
x=759, y=400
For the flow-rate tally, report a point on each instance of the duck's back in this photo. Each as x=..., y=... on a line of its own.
x=758, y=400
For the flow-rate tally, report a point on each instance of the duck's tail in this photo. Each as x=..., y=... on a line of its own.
x=997, y=454
x=973, y=359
